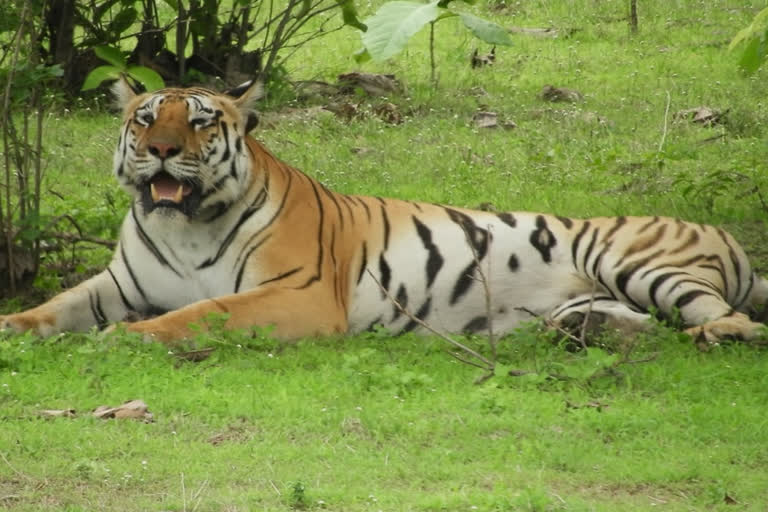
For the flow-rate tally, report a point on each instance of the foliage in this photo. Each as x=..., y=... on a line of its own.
x=217, y=38
x=395, y=23
x=147, y=77
x=753, y=40
x=22, y=224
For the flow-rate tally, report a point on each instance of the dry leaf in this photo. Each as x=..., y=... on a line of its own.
x=372, y=84
x=132, y=409
x=486, y=119
x=388, y=113
x=560, y=94
x=195, y=356
x=58, y=413
x=702, y=115
x=478, y=61
x=345, y=111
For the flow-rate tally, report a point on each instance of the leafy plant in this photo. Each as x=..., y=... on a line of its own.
x=118, y=65
x=754, y=40
x=393, y=25
x=22, y=111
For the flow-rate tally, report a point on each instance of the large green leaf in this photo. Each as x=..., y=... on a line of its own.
x=755, y=29
x=754, y=54
x=394, y=24
x=754, y=39
x=149, y=78
x=486, y=30
x=111, y=55
x=100, y=74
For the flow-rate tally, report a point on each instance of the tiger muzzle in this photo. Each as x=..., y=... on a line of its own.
x=164, y=191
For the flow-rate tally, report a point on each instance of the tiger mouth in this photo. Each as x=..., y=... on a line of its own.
x=165, y=191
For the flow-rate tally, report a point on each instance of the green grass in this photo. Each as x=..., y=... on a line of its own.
x=375, y=423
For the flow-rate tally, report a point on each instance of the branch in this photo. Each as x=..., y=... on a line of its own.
x=488, y=364
x=664, y=131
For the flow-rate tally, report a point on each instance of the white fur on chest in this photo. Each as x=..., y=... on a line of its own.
x=177, y=262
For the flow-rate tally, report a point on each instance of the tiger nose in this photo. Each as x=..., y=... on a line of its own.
x=163, y=150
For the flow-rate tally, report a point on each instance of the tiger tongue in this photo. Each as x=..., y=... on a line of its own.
x=165, y=188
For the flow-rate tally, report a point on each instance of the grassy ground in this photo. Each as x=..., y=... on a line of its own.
x=373, y=423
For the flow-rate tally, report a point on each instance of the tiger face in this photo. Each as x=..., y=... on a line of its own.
x=182, y=151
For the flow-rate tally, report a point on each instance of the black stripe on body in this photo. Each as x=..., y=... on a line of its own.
x=240, y=272
x=335, y=201
x=348, y=200
x=617, y=224
x=402, y=299
x=658, y=281
x=568, y=223
x=386, y=274
x=385, y=220
x=690, y=296
x=647, y=225
x=123, y=298
x=133, y=275
x=513, y=263
x=576, y=242
x=365, y=207
x=149, y=244
x=478, y=239
x=464, y=282
x=584, y=302
x=279, y=276
x=508, y=219
x=421, y=314
x=320, y=249
x=363, y=263
x=625, y=274
x=693, y=239
x=590, y=247
x=255, y=206
x=477, y=324
x=434, y=259
x=736, y=266
x=542, y=239
x=96, y=310
x=642, y=245
x=225, y=136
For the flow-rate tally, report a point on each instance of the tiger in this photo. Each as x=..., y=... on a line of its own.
x=217, y=224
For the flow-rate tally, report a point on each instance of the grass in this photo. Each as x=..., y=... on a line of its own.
x=379, y=423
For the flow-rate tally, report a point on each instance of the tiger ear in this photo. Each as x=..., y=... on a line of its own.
x=245, y=96
x=124, y=92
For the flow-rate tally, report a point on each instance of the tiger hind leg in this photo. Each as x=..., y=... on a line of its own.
x=598, y=314
x=711, y=319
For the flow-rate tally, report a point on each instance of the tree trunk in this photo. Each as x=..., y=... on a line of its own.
x=60, y=19
x=633, y=16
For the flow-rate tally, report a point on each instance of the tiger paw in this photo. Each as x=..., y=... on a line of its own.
x=736, y=326
x=152, y=331
x=23, y=322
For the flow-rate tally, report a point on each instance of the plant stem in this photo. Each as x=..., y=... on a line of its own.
x=433, y=75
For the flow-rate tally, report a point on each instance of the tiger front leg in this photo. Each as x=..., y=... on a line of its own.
x=96, y=302
x=293, y=314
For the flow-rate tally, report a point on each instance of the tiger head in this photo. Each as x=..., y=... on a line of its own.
x=184, y=150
